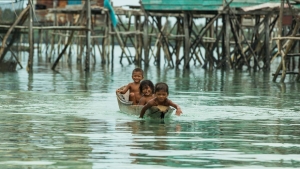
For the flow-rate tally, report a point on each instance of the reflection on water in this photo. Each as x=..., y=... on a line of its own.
x=70, y=119
x=218, y=144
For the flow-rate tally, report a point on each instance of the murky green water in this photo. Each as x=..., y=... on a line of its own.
x=70, y=119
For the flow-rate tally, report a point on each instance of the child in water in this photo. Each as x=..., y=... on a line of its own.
x=161, y=99
x=133, y=87
x=147, y=91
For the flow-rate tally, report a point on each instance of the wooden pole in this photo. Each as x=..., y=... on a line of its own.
x=30, y=38
x=13, y=53
x=283, y=56
x=211, y=48
x=140, y=40
x=40, y=41
x=146, y=41
x=88, y=35
x=238, y=42
x=103, y=43
x=64, y=50
x=227, y=41
x=158, y=46
x=186, y=40
x=108, y=37
x=298, y=76
x=47, y=43
x=122, y=42
x=52, y=47
x=69, y=40
x=178, y=41
x=136, y=40
x=10, y=30
x=267, y=42
x=81, y=49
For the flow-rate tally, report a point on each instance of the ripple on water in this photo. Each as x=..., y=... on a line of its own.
x=70, y=119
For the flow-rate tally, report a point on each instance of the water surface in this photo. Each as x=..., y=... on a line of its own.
x=70, y=119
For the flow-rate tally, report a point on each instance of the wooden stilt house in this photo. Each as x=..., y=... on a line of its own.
x=233, y=43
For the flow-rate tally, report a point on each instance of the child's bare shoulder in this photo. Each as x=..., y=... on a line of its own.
x=130, y=84
x=168, y=102
x=152, y=102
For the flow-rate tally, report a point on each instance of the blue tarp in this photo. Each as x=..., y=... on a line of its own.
x=74, y=2
x=113, y=18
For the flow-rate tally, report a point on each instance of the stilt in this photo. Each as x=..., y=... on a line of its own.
x=267, y=42
x=186, y=41
x=146, y=42
x=30, y=38
x=227, y=42
x=88, y=35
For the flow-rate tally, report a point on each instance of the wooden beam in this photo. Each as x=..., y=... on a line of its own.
x=79, y=28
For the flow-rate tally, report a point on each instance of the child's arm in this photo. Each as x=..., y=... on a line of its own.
x=124, y=90
x=178, y=109
x=146, y=107
x=142, y=101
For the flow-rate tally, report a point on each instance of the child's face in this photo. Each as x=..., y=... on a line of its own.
x=161, y=95
x=147, y=91
x=137, y=77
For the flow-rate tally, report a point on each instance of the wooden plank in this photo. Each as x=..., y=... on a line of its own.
x=293, y=54
x=79, y=28
x=269, y=5
x=290, y=73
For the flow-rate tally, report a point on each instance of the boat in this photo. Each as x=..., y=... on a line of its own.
x=155, y=112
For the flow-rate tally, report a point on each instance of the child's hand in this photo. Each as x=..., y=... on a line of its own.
x=178, y=112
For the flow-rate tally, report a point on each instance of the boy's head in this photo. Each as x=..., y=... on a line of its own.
x=146, y=84
x=161, y=87
x=137, y=75
x=138, y=70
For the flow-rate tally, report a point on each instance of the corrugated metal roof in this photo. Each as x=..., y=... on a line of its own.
x=201, y=5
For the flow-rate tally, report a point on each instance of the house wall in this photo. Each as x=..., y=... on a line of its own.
x=64, y=3
x=47, y=3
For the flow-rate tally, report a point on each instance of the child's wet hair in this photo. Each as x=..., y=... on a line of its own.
x=146, y=83
x=138, y=70
x=161, y=87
